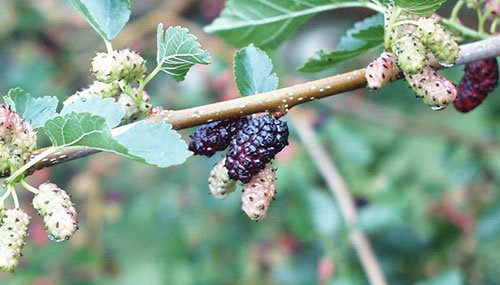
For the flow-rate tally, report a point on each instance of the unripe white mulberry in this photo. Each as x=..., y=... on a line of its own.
x=258, y=193
x=97, y=88
x=435, y=90
x=382, y=70
x=130, y=107
x=59, y=214
x=117, y=65
x=439, y=41
x=13, y=234
x=16, y=137
x=219, y=183
x=410, y=54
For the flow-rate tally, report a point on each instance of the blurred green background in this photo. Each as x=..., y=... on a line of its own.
x=426, y=183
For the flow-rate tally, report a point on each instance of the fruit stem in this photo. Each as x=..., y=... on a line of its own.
x=14, y=195
x=145, y=81
x=406, y=22
x=28, y=187
x=396, y=12
x=109, y=47
x=470, y=33
x=456, y=9
x=493, y=27
x=32, y=162
x=483, y=17
x=5, y=195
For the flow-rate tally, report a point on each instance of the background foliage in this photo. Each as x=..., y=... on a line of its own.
x=426, y=182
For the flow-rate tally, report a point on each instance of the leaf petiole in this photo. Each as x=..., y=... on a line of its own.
x=13, y=177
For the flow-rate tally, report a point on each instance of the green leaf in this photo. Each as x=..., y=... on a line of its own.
x=106, y=17
x=157, y=143
x=253, y=71
x=178, y=51
x=268, y=23
x=83, y=129
x=419, y=7
x=107, y=108
x=364, y=36
x=35, y=110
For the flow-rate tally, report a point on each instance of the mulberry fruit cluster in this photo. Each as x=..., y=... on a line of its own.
x=255, y=144
x=220, y=185
x=434, y=89
x=413, y=49
x=258, y=193
x=13, y=233
x=59, y=214
x=382, y=70
x=17, y=137
x=118, y=65
x=480, y=78
x=215, y=136
x=115, y=71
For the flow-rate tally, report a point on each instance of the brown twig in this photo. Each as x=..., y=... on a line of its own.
x=336, y=183
x=274, y=101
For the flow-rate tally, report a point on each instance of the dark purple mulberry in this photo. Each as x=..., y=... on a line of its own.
x=254, y=146
x=479, y=79
x=215, y=136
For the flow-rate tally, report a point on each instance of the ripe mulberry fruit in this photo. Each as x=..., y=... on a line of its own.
x=59, y=214
x=258, y=193
x=215, y=136
x=479, y=79
x=439, y=41
x=410, y=54
x=382, y=70
x=13, y=232
x=255, y=145
x=219, y=182
x=435, y=90
x=117, y=65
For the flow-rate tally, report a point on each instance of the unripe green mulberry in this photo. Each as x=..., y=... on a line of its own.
x=435, y=90
x=59, y=214
x=13, y=234
x=117, y=65
x=258, y=193
x=97, y=88
x=410, y=54
x=219, y=182
x=439, y=41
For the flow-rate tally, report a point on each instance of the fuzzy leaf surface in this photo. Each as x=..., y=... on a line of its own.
x=268, y=23
x=253, y=71
x=157, y=143
x=35, y=110
x=366, y=35
x=420, y=7
x=107, y=108
x=107, y=17
x=178, y=51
